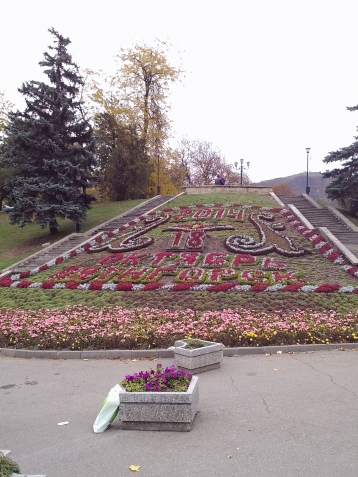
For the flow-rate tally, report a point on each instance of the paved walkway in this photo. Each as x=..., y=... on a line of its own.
x=276, y=415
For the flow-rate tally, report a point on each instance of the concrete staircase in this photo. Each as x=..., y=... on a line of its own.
x=344, y=231
x=73, y=241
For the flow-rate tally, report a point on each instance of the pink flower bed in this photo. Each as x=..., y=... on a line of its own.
x=79, y=327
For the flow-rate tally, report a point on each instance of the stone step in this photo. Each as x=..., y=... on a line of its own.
x=324, y=218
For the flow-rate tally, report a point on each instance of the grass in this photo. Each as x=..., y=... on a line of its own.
x=17, y=243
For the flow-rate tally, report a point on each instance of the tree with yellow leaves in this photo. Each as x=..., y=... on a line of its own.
x=5, y=106
x=136, y=96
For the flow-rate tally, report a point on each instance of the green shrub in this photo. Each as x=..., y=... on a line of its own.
x=8, y=466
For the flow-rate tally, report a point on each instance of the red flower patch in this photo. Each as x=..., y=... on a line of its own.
x=72, y=285
x=24, y=284
x=24, y=274
x=333, y=256
x=328, y=288
x=259, y=287
x=5, y=282
x=43, y=267
x=124, y=287
x=96, y=285
x=310, y=234
x=352, y=270
x=317, y=240
x=291, y=288
x=152, y=286
x=48, y=284
x=324, y=248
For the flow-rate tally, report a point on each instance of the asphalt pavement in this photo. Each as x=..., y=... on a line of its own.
x=289, y=414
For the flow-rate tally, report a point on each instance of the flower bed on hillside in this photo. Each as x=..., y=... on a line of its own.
x=78, y=328
x=266, y=248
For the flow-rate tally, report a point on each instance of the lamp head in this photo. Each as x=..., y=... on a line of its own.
x=242, y=161
x=308, y=149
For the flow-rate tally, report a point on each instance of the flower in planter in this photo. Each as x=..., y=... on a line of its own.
x=192, y=343
x=169, y=379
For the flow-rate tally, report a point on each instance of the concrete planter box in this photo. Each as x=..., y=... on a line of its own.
x=150, y=411
x=198, y=360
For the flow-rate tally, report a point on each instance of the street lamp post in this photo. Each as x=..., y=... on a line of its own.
x=307, y=188
x=158, y=181
x=78, y=224
x=243, y=168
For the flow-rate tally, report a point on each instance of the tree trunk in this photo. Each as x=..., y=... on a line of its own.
x=353, y=209
x=53, y=227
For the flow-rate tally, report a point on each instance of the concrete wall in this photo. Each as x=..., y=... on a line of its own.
x=206, y=189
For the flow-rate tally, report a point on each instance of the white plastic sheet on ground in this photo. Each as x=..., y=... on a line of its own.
x=108, y=411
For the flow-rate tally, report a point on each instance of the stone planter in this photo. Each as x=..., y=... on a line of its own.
x=150, y=411
x=198, y=360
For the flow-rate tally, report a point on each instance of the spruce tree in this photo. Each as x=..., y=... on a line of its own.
x=344, y=185
x=51, y=146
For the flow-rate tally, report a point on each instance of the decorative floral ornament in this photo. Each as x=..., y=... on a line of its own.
x=279, y=243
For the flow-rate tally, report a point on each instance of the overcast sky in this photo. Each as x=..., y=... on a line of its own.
x=264, y=79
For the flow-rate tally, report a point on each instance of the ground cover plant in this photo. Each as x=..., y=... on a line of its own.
x=254, y=262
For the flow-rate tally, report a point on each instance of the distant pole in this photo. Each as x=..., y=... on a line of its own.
x=307, y=188
x=158, y=181
x=78, y=223
x=242, y=168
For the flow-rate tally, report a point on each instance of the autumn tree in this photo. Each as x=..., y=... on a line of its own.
x=51, y=146
x=5, y=107
x=233, y=175
x=5, y=172
x=137, y=95
x=282, y=189
x=121, y=158
x=200, y=162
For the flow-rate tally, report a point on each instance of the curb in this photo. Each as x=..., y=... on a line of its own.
x=165, y=353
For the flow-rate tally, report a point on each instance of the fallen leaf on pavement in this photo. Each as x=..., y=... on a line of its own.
x=279, y=352
x=134, y=468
